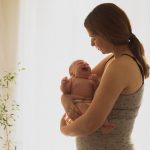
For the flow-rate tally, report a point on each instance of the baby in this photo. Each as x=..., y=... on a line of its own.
x=81, y=85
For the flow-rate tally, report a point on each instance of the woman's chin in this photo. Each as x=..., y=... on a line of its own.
x=102, y=51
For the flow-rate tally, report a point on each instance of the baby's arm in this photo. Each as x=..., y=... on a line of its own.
x=83, y=106
x=95, y=80
x=66, y=85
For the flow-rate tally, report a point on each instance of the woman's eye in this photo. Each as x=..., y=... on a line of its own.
x=93, y=38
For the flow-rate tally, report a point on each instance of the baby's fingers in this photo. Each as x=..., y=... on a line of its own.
x=72, y=114
x=64, y=80
x=76, y=109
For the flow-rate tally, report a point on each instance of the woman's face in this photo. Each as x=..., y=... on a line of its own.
x=100, y=43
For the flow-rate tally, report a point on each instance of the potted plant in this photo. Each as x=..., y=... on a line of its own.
x=8, y=108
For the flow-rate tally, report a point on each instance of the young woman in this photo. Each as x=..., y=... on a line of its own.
x=119, y=94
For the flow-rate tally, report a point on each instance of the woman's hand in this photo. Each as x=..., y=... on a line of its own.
x=70, y=108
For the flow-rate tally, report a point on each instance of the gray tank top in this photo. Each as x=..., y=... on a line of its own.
x=123, y=116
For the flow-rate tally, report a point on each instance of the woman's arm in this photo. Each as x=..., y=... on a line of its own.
x=113, y=82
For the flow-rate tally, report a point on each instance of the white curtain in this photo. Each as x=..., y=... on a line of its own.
x=51, y=36
x=9, y=15
x=1, y=37
x=9, y=25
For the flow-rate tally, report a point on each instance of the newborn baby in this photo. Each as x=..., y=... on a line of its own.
x=81, y=85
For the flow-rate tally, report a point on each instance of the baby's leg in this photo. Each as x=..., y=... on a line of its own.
x=82, y=107
x=67, y=119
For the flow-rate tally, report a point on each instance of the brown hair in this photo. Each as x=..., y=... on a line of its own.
x=110, y=22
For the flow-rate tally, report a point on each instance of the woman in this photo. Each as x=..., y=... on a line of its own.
x=119, y=94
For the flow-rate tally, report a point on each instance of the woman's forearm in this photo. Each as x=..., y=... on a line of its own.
x=77, y=128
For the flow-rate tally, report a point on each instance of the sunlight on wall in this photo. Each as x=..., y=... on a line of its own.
x=51, y=36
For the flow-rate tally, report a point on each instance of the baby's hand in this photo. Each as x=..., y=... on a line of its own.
x=83, y=107
x=65, y=85
x=64, y=80
x=107, y=127
x=93, y=77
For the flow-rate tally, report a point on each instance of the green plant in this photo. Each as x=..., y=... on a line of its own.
x=8, y=108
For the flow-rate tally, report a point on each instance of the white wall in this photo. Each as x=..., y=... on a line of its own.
x=51, y=36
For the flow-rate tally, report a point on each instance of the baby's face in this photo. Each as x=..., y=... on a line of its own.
x=81, y=69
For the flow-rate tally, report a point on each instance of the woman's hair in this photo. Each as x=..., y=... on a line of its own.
x=110, y=22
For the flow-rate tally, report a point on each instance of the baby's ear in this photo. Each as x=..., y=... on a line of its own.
x=72, y=75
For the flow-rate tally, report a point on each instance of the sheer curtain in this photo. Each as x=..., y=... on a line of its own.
x=1, y=37
x=9, y=15
x=9, y=24
x=51, y=36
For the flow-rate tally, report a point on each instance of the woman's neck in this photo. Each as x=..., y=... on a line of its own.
x=119, y=50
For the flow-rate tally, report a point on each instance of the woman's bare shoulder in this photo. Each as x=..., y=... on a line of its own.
x=131, y=72
x=118, y=67
x=124, y=63
x=121, y=64
x=127, y=72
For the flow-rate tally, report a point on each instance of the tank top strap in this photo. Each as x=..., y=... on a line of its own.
x=109, y=59
x=139, y=65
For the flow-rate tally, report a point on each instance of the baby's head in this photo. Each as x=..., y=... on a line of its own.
x=80, y=68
